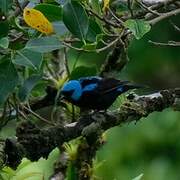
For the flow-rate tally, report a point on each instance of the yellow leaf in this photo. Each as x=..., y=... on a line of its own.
x=106, y=5
x=37, y=20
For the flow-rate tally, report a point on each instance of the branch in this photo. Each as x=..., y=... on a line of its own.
x=169, y=43
x=164, y=16
x=155, y=6
x=31, y=138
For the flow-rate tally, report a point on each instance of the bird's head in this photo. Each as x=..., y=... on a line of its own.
x=71, y=90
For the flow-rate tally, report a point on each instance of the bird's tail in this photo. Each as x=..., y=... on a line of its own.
x=134, y=86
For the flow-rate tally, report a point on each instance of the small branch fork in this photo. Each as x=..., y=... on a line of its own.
x=33, y=142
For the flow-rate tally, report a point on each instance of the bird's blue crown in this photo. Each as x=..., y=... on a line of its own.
x=74, y=86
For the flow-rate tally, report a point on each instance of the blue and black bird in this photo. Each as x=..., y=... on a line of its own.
x=94, y=92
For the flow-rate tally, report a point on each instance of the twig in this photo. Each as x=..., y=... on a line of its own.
x=156, y=6
x=164, y=16
x=91, y=12
x=18, y=5
x=130, y=8
x=170, y=43
x=115, y=17
x=108, y=46
x=38, y=116
x=97, y=50
x=66, y=62
x=148, y=9
x=18, y=10
x=175, y=26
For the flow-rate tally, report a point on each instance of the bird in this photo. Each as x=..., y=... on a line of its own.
x=94, y=92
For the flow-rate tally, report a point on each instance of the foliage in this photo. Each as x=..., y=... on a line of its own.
x=42, y=169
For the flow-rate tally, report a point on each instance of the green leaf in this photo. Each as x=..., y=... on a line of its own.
x=8, y=77
x=83, y=71
x=44, y=44
x=27, y=87
x=4, y=26
x=138, y=27
x=75, y=19
x=4, y=42
x=59, y=28
x=5, y=5
x=27, y=170
x=52, y=12
x=93, y=30
x=138, y=177
x=28, y=58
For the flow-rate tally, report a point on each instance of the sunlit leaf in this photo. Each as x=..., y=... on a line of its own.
x=106, y=5
x=35, y=19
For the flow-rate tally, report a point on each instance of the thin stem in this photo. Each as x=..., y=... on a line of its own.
x=115, y=17
x=38, y=116
x=130, y=8
x=66, y=62
x=108, y=46
x=170, y=43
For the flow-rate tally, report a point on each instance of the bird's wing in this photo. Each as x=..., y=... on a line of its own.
x=97, y=85
x=89, y=81
x=107, y=85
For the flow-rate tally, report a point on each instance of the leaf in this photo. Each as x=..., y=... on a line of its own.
x=28, y=58
x=43, y=44
x=8, y=77
x=37, y=20
x=5, y=5
x=75, y=19
x=52, y=12
x=83, y=71
x=138, y=27
x=27, y=170
x=105, y=5
x=93, y=30
x=61, y=2
x=96, y=6
x=138, y=177
x=4, y=42
x=59, y=28
x=4, y=26
x=27, y=87
x=71, y=172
